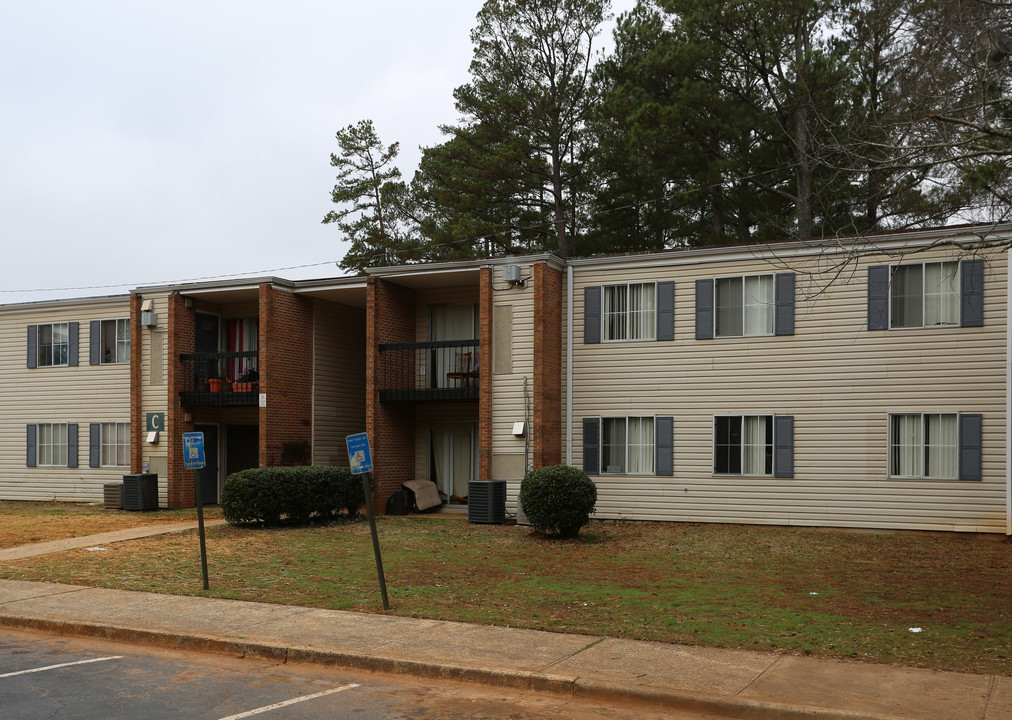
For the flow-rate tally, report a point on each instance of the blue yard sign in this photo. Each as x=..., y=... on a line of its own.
x=193, y=451
x=359, y=455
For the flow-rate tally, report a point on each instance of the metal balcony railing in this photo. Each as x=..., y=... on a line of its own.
x=437, y=370
x=220, y=378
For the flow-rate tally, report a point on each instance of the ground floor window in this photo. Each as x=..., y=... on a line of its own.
x=924, y=445
x=627, y=445
x=52, y=444
x=743, y=445
x=115, y=444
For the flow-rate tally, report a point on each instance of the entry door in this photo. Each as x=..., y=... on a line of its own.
x=454, y=458
x=209, y=475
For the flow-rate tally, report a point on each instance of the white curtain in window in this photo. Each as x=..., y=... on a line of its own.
x=906, y=445
x=453, y=457
x=753, y=451
x=758, y=305
x=941, y=293
x=728, y=299
x=941, y=440
x=613, y=445
x=642, y=311
x=907, y=296
x=451, y=322
x=641, y=445
x=616, y=308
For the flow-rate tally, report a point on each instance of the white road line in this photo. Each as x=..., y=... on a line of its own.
x=61, y=665
x=293, y=701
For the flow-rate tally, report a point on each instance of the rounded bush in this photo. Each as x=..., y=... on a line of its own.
x=558, y=499
x=266, y=496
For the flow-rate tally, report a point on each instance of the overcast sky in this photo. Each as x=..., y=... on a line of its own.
x=148, y=142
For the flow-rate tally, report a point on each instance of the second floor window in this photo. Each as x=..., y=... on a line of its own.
x=744, y=306
x=115, y=341
x=630, y=312
x=925, y=295
x=54, y=344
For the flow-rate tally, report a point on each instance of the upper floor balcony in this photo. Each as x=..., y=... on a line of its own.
x=436, y=370
x=220, y=378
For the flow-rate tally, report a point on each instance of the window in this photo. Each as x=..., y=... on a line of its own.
x=52, y=444
x=115, y=444
x=627, y=445
x=629, y=312
x=53, y=344
x=743, y=445
x=924, y=445
x=925, y=295
x=115, y=341
x=744, y=306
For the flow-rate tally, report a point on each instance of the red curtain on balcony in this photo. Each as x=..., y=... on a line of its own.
x=241, y=334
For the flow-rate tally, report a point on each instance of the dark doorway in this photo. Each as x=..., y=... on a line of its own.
x=209, y=475
x=206, y=339
x=242, y=448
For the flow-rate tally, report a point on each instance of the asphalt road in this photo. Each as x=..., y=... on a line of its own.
x=45, y=677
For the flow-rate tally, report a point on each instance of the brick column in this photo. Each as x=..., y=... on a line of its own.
x=546, y=430
x=485, y=378
x=390, y=317
x=182, y=338
x=285, y=370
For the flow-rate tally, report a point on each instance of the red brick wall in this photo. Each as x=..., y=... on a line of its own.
x=485, y=378
x=390, y=317
x=137, y=423
x=182, y=327
x=286, y=374
x=546, y=430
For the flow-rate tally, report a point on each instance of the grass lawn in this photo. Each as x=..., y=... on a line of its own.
x=829, y=593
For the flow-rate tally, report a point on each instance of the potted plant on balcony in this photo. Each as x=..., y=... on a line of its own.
x=247, y=382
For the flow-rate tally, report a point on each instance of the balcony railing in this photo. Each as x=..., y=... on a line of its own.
x=438, y=370
x=220, y=378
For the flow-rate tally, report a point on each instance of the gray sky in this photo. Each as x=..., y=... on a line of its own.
x=149, y=142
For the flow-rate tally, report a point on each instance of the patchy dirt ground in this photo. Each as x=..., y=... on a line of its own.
x=23, y=523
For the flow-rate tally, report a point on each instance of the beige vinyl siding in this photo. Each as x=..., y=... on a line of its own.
x=154, y=390
x=508, y=452
x=338, y=379
x=837, y=379
x=81, y=394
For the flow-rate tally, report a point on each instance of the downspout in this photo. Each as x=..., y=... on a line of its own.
x=569, y=364
x=1008, y=402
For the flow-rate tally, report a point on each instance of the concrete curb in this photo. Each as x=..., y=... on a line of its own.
x=568, y=686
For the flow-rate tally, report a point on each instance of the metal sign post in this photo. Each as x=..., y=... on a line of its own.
x=360, y=457
x=193, y=459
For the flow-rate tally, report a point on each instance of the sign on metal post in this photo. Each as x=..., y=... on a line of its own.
x=193, y=459
x=360, y=459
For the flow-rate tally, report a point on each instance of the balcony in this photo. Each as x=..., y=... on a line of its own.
x=221, y=379
x=438, y=370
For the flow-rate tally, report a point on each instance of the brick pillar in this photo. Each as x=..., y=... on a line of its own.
x=182, y=338
x=546, y=429
x=285, y=370
x=390, y=317
x=485, y=378
x=137, y=424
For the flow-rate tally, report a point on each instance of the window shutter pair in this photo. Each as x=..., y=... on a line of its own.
x=665, y=312
x=783, y=296
x=32, y=445
x=971, y=304
x=663, y=445
x=72, y=343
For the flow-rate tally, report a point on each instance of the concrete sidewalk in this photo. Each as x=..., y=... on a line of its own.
x=727, y=683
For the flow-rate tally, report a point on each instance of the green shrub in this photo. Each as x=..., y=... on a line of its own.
x=558, y=499
x=266, y=496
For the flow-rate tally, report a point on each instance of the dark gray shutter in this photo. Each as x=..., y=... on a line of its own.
x=704, y=309
x=32, y=445
x=72, y=445
x=33, y=346
x=664, y=447
x=592, y=446
x=878, y=297
x=592, y=314
x=95, y=445
x=73, y=336
x=972, y=303
x=95, y=343
x=666, y=310
x=784, y=290
x=970, y=447
x=783, y=446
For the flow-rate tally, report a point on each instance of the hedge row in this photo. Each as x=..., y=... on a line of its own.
x=266, y=496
